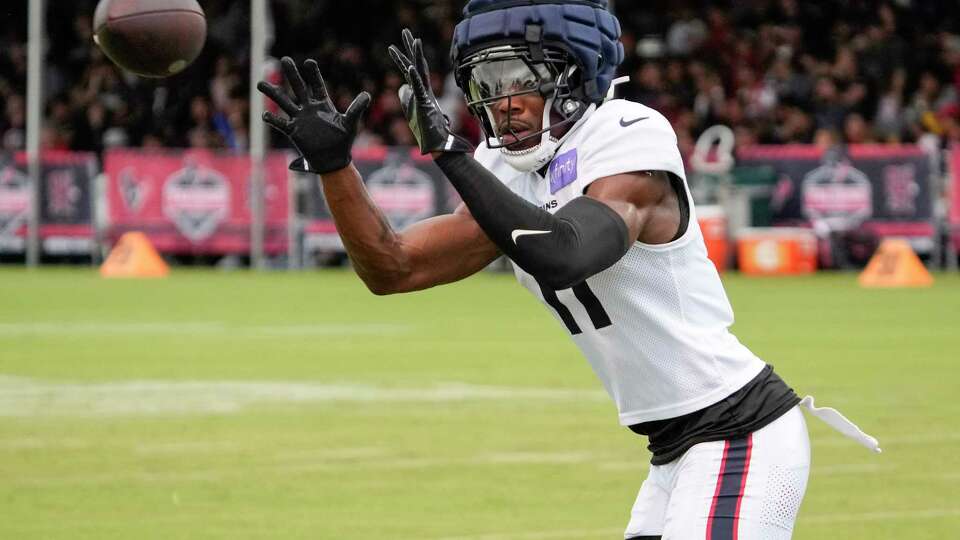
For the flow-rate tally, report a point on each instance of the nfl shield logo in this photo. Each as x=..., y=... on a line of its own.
x=197, y=200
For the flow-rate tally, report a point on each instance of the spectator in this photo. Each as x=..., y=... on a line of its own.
x=890, y=120
x=856, y=130
x=779, y=71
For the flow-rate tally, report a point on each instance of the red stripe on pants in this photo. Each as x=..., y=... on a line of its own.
x=716, y=492
x=743, y=486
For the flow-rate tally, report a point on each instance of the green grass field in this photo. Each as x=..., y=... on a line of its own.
x=297, y=405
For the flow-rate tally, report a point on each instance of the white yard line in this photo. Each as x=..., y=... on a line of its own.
x=212, y=328
x=65, y=328
x=36, y=443
x=24, y=397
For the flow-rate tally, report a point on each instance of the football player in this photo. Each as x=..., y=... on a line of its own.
x=587, y=196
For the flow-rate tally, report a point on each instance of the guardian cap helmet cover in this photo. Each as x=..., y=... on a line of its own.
x=567, y=51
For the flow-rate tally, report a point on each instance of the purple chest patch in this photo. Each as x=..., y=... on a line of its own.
x=563, y=171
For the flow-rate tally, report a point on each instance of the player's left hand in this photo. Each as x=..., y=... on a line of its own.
x=430, y=126
x=323, y=136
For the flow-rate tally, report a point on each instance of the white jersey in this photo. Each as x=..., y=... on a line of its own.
x=654, y=326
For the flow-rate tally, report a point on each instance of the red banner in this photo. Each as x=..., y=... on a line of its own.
x=195, y=202
x=66, y=202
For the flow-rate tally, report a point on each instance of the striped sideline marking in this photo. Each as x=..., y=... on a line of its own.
x=57, y=329
x=824, y=518
x=25, y=397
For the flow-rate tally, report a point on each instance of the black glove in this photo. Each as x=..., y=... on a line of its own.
x=430, y=126
x=323, y=136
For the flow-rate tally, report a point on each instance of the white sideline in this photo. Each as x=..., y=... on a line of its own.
x=211, y=328
x=26, y=397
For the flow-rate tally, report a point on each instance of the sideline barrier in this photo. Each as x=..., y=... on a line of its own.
x=196, y=202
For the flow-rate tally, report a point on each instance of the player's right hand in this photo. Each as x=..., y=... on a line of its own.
x=323, y=136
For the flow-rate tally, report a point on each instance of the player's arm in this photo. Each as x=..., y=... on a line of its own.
x=560, y=250
x=434, y=251
x=439, y=250
x=647, y=203
x=585, y=237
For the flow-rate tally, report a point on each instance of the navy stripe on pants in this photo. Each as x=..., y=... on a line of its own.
x=725, y=508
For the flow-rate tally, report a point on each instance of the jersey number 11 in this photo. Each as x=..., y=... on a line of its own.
x=598, y=315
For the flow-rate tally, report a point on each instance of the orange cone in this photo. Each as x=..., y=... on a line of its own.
x=134, y=257
x=895, y=265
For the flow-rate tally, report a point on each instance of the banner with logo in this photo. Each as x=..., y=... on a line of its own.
x=406, y=186
x=194, y=202
x=885, y=189
x=66, y=202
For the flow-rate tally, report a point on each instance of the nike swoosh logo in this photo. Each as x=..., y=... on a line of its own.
x=625, y=123
x=524, y=232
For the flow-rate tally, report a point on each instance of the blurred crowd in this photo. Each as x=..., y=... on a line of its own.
x=776, y=71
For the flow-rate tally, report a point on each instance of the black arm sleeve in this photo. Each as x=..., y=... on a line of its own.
x=583, y=238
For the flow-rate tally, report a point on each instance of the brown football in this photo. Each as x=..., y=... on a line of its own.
x=152, y=38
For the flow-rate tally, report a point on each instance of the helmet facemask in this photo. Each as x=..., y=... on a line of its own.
x=508, y=72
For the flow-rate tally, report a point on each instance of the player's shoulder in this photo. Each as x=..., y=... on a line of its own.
x=615, y=116
x=622, y=136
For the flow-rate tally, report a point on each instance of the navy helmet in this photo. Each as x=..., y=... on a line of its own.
x=567, y=51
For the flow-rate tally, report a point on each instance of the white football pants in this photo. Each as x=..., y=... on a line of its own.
x=741, y=489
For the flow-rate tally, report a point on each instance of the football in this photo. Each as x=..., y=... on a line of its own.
x=151, y=38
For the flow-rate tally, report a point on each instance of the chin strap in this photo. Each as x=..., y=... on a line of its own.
x=534, y=159
x=611, y=92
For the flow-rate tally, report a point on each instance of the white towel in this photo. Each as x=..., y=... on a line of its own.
x=839, y=422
